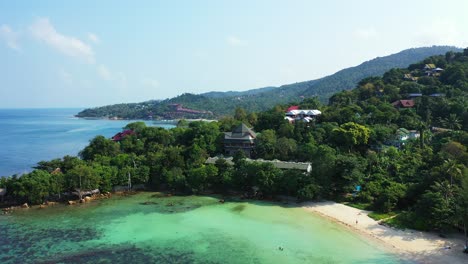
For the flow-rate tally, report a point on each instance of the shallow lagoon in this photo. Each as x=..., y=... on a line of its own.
x=147, y=228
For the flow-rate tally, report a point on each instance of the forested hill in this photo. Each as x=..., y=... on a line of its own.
x=396, y=144
x=215, y=104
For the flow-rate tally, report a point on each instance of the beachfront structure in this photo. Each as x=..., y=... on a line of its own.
x=241, y=138
x=284, y=165
x=293, y=114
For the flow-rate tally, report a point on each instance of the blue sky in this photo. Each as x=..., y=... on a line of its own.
x=92, y=53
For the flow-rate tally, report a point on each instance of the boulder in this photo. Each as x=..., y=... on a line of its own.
x=71, y=202
x=25, y=205
x=42, y=206
x=87, y=199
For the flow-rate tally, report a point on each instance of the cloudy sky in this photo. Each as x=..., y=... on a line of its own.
x=91, y=53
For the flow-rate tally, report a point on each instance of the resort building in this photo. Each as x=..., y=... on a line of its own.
x=284, y=165
x=241, y=138
x=294, y=114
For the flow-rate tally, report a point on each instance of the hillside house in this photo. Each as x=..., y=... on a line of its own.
x=294, y=114
x=241, y=138
x=432, y=70
x=410, y=77
x=403, y=104
x=401, y=136
x=429, y=67
x=119, y=136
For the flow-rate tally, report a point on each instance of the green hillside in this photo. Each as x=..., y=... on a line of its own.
x=394, y=144
x=219, y=103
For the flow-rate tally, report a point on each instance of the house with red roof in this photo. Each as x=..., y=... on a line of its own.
x=119, y=136
x=403, y=104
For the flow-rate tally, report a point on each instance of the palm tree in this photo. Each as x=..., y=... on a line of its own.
x=451, y=122
x=452, y=169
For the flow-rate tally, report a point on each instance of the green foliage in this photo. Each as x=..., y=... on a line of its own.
x=351, y=144
x=83, y=177
x=100, y=146
x=136, y=127
x=388, y=200
x=351, y=134
x=309, y=192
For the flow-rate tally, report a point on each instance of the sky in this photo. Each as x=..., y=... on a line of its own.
x=93, y=53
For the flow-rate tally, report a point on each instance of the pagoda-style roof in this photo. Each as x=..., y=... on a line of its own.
x=241, y=132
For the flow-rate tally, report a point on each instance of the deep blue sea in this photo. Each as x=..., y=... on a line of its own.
x=28, y=136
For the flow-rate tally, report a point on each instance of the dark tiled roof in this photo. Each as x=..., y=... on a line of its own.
x=240, y=132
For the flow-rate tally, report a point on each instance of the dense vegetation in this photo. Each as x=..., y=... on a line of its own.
x=224, y=103
x=352, y=144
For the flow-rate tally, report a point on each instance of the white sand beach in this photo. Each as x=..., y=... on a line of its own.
x=422, y=247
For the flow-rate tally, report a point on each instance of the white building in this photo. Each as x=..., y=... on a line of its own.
x=306, y=115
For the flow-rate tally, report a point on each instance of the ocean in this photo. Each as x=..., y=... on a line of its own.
x=148, y=228
x=28, y=136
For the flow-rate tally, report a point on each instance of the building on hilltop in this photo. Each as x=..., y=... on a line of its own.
x=241, y=138
x=432, y=70
x=294, y=114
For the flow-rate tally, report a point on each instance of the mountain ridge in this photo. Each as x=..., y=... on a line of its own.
x=224, y=103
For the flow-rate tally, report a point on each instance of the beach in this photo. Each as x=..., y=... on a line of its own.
x=421, y=247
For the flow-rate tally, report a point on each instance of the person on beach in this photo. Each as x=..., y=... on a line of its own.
x=356, y=221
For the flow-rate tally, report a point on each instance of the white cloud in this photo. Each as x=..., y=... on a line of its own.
x=235, y=41
x=94, y=38
x=150, y=82
x=104, y=72
x=442, y=32
x=43, y=30
x=365, y=33
x=9, y=36
x=65, y=76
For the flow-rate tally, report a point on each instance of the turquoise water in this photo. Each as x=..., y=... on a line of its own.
x=147, y=229
x=32, y=135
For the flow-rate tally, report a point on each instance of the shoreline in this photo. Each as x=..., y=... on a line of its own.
x=156, y=121
x=417, y=246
